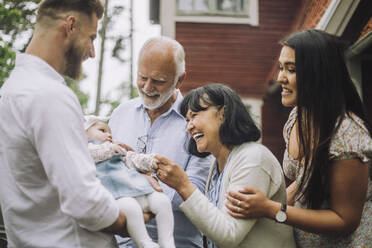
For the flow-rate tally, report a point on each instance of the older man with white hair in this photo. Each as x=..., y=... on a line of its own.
x=152, y=123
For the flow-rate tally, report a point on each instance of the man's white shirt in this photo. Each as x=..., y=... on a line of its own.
x=49, y=193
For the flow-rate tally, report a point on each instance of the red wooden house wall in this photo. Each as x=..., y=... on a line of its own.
x=238, y=55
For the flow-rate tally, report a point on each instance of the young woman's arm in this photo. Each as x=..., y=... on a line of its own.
x=348, y=188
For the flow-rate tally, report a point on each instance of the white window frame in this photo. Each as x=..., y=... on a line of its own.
x=337, y=16
x=213, y=11
x=255, y=109
x=169, y=17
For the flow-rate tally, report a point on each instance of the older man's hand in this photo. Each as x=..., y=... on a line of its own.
x=119, y=227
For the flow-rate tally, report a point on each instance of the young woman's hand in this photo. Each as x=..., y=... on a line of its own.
x=249, y=203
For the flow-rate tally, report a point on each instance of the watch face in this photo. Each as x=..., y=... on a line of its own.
x=281, y=216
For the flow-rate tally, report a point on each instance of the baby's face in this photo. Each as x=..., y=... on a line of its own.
x=99, y=131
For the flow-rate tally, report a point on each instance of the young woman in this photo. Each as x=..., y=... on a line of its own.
x=328, y=149
x=219, y=124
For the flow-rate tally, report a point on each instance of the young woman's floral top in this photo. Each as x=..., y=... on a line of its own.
x=350, y=141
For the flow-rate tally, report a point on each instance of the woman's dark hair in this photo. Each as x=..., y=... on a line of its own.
x=325, y=93
x=238, y=126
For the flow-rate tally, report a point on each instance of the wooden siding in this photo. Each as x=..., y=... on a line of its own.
x=314, y=10
x=240, y=56
x=367, y=28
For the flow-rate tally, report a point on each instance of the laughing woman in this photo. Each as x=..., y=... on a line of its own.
x=219, y=124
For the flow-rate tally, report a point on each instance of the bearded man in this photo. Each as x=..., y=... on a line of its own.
x=152, y=123
x=49, y=193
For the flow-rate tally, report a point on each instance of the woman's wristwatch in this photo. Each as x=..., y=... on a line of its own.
x=281, y=215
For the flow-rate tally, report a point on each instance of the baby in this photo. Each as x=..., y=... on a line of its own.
x=117, y=170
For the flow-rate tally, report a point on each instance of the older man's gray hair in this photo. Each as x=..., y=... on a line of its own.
x=178, y=51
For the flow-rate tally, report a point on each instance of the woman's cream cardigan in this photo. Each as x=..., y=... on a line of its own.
x=252, y=165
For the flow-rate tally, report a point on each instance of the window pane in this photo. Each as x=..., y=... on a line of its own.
x=238, y=8
x=230, y=5
x=192, y=6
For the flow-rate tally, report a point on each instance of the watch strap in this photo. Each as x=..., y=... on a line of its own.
x=284, y=207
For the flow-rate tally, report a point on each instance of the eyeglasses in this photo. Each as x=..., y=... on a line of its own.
x=141, y=143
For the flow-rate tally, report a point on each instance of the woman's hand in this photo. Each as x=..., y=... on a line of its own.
x=291, y=193
x=126, y=147
x=153, y=181
x=174, y=176
x=249, y=203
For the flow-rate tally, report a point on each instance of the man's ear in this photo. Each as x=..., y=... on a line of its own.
x=180, y=80
x=70, y=25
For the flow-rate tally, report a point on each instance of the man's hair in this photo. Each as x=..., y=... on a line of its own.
x=52, y=8
x=178, y=51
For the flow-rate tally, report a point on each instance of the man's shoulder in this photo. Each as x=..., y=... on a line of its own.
x=51, y=91
x=36, y=87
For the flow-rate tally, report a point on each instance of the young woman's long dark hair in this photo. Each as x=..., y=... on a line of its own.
x=325, y=93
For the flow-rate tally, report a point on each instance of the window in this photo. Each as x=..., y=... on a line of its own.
x=254, y=107
x=206, y=11
x=213, y=7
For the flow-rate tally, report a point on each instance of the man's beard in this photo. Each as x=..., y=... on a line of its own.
x=74, y=60
x=159, y=101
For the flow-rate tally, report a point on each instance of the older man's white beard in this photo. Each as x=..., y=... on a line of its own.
x=158, y=102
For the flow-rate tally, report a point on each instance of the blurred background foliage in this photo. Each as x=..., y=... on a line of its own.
x=16, y=24
x=17, y=19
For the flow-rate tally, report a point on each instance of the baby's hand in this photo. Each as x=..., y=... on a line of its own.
x=142, y=162
x=118, y=149
x=154, y=163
